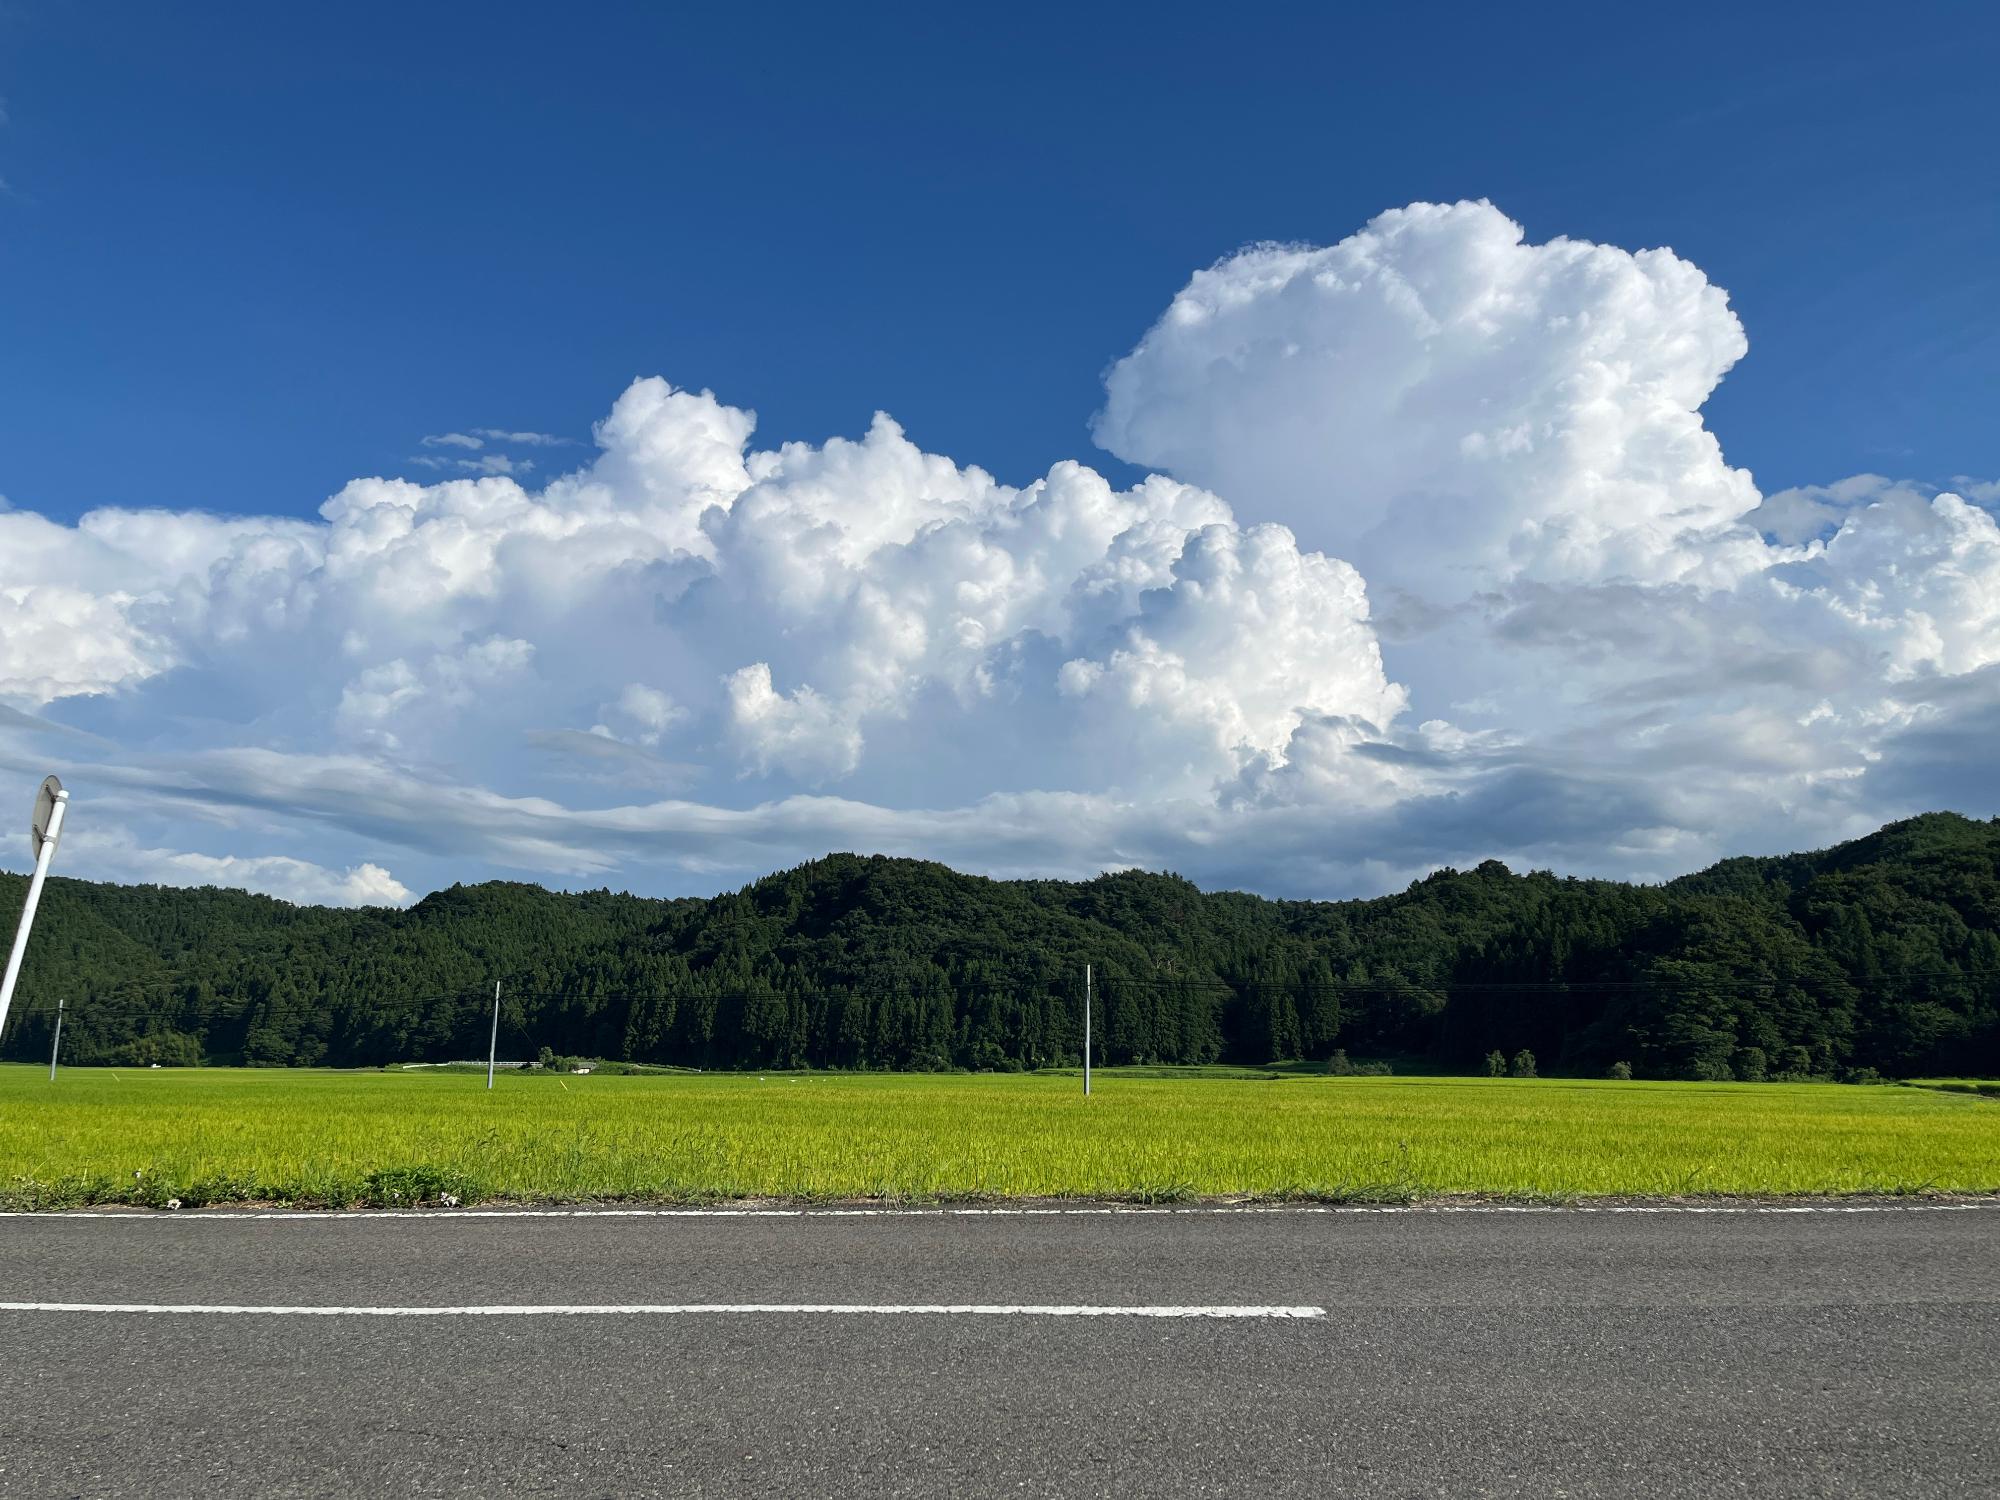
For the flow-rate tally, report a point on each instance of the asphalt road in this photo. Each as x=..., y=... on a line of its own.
x=1460, y=1354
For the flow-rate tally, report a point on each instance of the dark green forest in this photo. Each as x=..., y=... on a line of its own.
x=1880, y=956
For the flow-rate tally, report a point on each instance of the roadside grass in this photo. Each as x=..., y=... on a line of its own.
x=322, y=1138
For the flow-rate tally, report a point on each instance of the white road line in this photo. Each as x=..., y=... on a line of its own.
x=321, y=1216
x=676, y=1309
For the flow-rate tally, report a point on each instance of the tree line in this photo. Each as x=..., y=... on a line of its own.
x=1877, y=956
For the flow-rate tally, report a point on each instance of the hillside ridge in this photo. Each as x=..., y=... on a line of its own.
x=1878, y=953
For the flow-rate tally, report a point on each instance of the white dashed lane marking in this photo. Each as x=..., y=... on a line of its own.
x=677, y=1309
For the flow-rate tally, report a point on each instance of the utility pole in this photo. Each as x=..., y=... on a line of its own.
x=493, y=1047
x=56, y=1046
x=1086, y=1031
x=46, y=830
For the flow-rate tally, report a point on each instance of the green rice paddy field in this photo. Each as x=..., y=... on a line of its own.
x=335, y=1138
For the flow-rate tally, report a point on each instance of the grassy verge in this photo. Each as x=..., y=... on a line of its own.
x=325, y=1138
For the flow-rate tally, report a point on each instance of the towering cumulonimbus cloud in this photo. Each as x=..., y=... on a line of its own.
x=1439, y=562
x=1506, y=439
x=1445, y=405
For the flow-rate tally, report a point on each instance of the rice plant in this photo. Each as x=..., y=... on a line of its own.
x=401, y=1138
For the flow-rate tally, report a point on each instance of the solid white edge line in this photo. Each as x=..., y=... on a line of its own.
x=675, y=1309
x=308, y=1215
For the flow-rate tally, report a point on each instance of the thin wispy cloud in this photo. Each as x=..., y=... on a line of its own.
x=495, y=463
x=486, y=463
x=524, y=439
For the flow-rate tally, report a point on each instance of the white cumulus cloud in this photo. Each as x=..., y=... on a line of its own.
x=1441, y=562
x=1442, y=403
x=112, y=854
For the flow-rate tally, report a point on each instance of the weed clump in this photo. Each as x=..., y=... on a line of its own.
x=419, y=1187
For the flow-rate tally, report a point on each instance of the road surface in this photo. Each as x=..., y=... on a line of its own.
x=1385, y=1353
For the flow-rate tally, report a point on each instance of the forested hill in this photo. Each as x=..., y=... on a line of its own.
x=1881, y=954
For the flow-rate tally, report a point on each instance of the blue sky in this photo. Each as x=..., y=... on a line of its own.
x=249, y=255
x=1570, y=578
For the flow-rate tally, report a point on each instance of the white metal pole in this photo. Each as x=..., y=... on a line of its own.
x=43, y=859
x=493, y=1047
x=55, y=1047
x=1086, y=1031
